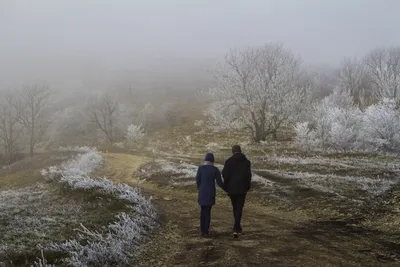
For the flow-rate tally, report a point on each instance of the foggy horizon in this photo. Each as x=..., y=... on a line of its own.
x=51, y=40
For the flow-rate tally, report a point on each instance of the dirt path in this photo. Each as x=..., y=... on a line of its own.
x=272, y=236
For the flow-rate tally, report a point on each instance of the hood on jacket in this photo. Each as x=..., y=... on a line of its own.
x=239, y=157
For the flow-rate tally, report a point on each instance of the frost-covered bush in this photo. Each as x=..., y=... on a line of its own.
x=119, y=145
x=93, y=248
x=134, y=132
x=337, y=124
x=199, y=123
x=76, y=175
x=344, y=129
x=381, y=126
x=305, y=138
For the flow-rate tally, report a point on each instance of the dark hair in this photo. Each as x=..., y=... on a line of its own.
x=236, y=149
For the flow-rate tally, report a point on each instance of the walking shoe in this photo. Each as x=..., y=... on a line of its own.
x=204, y=234
x=235, y=235
x=238, y=231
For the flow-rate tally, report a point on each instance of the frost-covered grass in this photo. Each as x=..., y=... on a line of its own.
x=116, y=245
x=42, y=214
x=26, y=220
x=183, y=173
x=261, y=180
x=182, y=170
x=342, y=162
x=339, y=184
x=42, y=262
x=170, y=173
x=79, y=149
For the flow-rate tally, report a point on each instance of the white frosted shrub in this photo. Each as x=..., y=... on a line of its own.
x=344, y=127
x=134, y=132
x=381, y=126
x=305, y=138
x=337, y=124
x=199, y=123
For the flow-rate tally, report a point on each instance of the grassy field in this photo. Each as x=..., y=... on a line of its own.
x=313, y=209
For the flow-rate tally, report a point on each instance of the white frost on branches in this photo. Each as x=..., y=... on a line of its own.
x=337, y=124
x=134, y=132
x=383, y=64
x=258, y=90
x=305, y=138
x=381, y=126
x=93, y=248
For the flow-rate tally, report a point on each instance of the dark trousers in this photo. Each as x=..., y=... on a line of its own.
x=205, y=219
x=237, y=204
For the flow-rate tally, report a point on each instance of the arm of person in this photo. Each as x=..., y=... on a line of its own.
x=249, y=175
x=218, y=178
x=198, y=178
x=225, y=175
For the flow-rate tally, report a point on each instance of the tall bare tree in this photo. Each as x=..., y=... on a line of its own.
x=104, y=114
x=31, y=104
x=10, y=129
x=258, y=89
x=353, y=77
x=384, y=68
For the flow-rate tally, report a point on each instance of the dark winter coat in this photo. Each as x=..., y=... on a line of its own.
x=237, y=174
x=205, y=179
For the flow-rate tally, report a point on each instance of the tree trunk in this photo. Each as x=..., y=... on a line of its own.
x=31, y=144
x=259, y=135
x=274, y=135
x=31, y=150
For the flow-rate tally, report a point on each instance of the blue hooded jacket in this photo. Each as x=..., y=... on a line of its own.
x=206, y=176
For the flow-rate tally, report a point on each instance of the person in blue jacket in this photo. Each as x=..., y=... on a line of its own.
x=206, y=176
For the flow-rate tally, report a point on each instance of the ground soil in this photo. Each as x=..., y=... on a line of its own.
x=273, y=236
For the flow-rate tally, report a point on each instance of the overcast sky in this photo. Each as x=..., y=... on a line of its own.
x=38, y=36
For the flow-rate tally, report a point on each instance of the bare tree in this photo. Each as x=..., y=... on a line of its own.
x=104, y=115
x=31, y=104
x=353, y=78
x=322, y=80
x=10, y=130
x=258, y=90
x=384, y=68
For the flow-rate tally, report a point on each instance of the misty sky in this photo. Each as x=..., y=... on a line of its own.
x=39, y=36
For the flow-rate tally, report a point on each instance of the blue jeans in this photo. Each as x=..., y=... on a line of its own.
x=205, y=219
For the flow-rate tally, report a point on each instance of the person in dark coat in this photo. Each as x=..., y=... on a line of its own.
x=237, y=180
x=206, y=176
